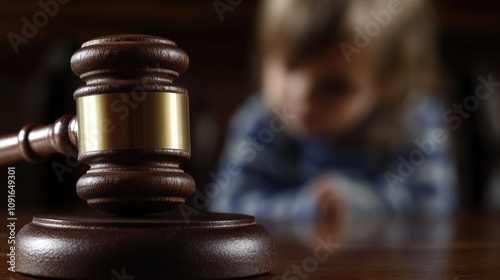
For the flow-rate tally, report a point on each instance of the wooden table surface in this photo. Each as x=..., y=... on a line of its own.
x=467, y=248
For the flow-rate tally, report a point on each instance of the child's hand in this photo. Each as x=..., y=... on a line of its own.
x=331, y=208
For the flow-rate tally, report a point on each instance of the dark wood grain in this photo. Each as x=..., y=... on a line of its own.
x=121, y=63
x=91, y=245
x=471, y=252
x=33, y=143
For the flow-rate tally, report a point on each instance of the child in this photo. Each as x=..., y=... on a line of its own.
x=345, y=130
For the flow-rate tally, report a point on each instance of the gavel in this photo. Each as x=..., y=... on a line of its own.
x=132, y=128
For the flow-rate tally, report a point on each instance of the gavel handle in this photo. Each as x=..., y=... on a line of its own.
x=34, y=143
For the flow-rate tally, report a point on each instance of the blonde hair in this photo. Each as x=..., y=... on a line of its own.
x=406, y=64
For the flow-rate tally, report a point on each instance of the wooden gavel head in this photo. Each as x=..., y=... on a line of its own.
x=132, y=129
x=133, y=124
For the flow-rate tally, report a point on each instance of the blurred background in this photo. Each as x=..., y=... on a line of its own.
x=37, y=83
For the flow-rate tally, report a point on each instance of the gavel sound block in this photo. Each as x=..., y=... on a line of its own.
x=134, y=178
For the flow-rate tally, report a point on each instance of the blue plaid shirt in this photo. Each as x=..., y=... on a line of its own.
x=269, y=173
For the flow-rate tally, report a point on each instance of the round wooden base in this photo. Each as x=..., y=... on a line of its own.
x=102, y=246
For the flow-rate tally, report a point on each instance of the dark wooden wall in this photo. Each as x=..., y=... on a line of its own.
x=470, y=44
x=37, y=84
